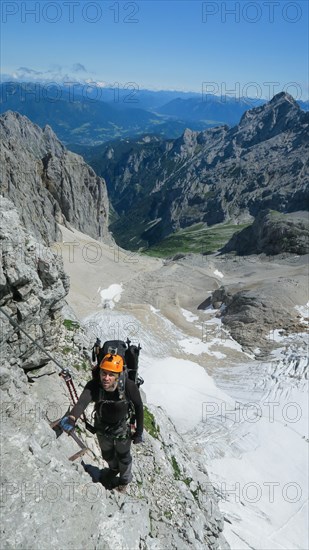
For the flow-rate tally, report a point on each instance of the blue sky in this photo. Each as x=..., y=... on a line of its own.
x=250, y=48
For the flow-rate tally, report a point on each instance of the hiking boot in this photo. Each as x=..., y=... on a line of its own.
x=107, y=476
x=113, y=483
x=122, y=488
x=120, y=485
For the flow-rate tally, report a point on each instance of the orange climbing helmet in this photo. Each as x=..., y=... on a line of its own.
x=113, y=363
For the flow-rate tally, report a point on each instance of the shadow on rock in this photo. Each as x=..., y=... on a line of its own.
x=93, y=471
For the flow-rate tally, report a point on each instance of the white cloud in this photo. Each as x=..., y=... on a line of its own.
x=27, y=70
x=78, y=67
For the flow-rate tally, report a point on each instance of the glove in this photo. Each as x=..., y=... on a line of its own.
x=137, y=439
x=67, y=424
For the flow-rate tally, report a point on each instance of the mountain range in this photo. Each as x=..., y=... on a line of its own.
x=157, y=186
x=91, y=115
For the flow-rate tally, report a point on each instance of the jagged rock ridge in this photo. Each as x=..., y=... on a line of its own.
x=49, y=184
x=217, y=175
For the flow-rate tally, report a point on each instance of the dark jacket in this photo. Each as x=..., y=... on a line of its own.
x=109, y=408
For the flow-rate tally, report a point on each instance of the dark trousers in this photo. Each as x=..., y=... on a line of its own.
x=117, y=454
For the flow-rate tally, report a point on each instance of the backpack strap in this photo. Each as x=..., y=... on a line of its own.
x=122, y=386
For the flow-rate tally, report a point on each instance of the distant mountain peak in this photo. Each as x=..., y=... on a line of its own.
x=273, y=117
x=281, y=97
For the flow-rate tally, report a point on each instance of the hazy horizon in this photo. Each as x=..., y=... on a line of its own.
x=249, y=49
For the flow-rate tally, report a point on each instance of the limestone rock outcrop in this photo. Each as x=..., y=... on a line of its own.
x=273, y=233
x=49, y=184
x=254, y=316
x=33, y=286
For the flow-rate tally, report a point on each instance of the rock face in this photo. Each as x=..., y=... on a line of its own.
x=273, y=233
x=32, y=288
x=48, y=501
x=49, y=184
x=217, y=175
x=254, y=315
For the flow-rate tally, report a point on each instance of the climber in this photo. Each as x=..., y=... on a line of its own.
x=112, y=392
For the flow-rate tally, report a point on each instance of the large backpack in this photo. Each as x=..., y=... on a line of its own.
x=129, y=354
